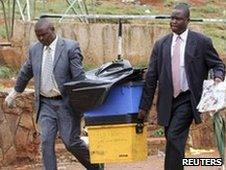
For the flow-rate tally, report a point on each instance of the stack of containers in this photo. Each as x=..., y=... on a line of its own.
x=109, y=99
x=111, y=126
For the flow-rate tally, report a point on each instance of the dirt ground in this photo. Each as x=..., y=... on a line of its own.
x=152, y=163
x=155, y=162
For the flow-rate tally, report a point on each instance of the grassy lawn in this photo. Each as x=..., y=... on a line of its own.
x=210, y=9
x=218, y=34
x=7, y=72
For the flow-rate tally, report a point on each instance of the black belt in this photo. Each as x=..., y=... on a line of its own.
x=183, y=94
x=52, y=98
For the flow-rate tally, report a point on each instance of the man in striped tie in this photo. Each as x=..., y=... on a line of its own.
x=179, y=63
x=52, y=62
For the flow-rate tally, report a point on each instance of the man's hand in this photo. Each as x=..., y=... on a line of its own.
x=10, y=99
x=140, y=121
x=141, y=115
x=217, y=80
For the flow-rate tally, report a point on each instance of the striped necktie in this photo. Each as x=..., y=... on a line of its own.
x=47, y=72
x=176, y=67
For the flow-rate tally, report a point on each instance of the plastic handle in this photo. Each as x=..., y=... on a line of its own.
x=139, y=126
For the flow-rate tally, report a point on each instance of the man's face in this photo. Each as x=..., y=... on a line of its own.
x=179, y=21
x=45, y=34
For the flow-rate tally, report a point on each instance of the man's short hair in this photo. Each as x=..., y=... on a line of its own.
x=43, y=21
x=184, y=7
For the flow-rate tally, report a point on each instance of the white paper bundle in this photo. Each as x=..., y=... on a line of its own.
x=213, y=97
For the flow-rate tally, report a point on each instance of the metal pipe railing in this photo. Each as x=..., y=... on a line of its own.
x=6, y=25
x=126, y=17
x=13, y=18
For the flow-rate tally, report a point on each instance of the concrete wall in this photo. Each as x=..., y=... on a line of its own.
x=99, y=42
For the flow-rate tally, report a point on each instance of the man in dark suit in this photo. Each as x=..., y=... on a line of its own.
x=179, y=63
x=52, y=62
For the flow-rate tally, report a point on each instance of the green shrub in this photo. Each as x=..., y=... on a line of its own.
x=1, y=87
x=158, y=132
x=218, y=34
x=6, y=72
x=3, y=34
x=88, y=67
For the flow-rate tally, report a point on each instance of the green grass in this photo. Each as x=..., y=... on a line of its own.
x=169, y=3
x=51, y=7
x=2, y=87
x=206, y=10
x=88, y=67
x=158, y=132
x=211, y=9
x=7, y=72
x=122, y=10
x=3, y=32
x=142, y=65
x=218, y=37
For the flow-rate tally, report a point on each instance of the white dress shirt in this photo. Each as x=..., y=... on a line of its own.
x=183, y=77
x=54, y=90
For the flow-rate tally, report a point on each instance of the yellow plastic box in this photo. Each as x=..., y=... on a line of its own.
x=117, y=143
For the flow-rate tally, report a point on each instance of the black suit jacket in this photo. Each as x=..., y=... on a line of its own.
x=200, y=57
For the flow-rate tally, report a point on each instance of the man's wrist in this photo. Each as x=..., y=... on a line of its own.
x=13, y=93
x=142, y=114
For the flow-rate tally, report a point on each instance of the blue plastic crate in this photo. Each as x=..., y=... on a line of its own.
x=122, y=99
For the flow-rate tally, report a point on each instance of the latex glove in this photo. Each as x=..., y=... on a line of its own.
x=10, y=98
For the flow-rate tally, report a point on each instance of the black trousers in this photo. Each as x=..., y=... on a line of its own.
x=177, y=132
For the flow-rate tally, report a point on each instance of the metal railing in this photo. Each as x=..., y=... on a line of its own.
x=126, y=17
